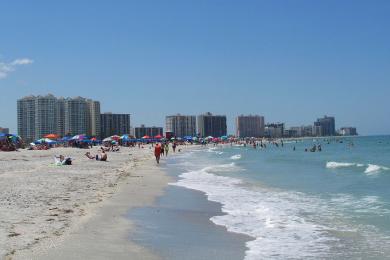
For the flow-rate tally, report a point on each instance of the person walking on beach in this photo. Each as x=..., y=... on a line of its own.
x=166, y=149
x=157, y=153
x=162, y=149
x=174, y=147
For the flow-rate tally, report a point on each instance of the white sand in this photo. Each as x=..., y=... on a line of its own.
x=62, y=212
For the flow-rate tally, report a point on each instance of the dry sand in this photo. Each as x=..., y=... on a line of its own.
x=63, y=212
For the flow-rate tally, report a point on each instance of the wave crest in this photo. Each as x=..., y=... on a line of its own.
x=236, y=157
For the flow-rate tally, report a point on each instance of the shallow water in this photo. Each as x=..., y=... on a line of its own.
x=333, y=204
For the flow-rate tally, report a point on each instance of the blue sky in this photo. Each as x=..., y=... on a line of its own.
x=291, y=61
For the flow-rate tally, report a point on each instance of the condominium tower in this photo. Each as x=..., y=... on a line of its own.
x=114, y=124
x=42, y=115
x=212, y=125
x=326, y=126
x=148, y=131
x=249, y=126
x=181, y=125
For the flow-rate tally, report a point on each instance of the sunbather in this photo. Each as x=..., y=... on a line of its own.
x=62, y=160
x=102, y=156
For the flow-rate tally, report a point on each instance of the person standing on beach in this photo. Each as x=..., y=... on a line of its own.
x=157, y=153
x=162, y=149
x=174, y=146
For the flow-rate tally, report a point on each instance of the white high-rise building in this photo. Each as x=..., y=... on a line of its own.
x=181, y=125
x=93, y=118
x=42, y=115
x=250, y=126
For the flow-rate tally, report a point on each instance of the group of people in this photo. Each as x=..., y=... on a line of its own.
x=163, y=149
x=8, y=145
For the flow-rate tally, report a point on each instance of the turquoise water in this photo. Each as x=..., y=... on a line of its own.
x=333, y=204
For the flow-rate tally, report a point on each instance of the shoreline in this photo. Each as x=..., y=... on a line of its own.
x=94, y=194
x=104, y=235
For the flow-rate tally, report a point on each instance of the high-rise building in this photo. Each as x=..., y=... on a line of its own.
x=300, y=131
x=181, y=125
x=60, y=114
x=249, y=126
x=26, y=118
x=4, y=130
x=212, y=125
x=274, y=130
x=327, y=124
x=114, y=124
x=347, y=131
x=317, y=130
x=76, y=116
x=148, y=131
x=42, y=115
x=93, y=118
x=45, y=115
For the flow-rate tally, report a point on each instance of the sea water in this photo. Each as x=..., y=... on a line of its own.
x=332, y=204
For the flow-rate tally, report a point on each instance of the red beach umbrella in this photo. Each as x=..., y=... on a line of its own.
x=158, y=137
x=146, y=137
x=115, y=137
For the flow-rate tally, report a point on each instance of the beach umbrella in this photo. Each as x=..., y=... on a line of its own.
x=158, y=136
x=189, y=138
x=108, y=139
x=209, y=137
x=78, y=137
x=2, y=135
x=146, y=137
x=224, y=137
x=66, y=138
x=49, y=141
x=51, y=136
x=115, y=137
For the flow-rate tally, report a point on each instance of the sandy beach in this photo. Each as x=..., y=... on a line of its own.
x=76, y=211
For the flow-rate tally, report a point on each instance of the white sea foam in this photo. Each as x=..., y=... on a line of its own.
x=370, y=168
x=373, y=169
x=236, y=157
x=334, y=165
x=271, y=218
x=284, y=224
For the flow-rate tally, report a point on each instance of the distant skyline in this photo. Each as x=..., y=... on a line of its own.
x=289, y=61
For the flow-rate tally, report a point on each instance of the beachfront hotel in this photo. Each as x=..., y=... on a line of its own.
x=42, y=115
x=348, y=131
x=181, y=125
x=114, y=124
x=274, y=130
x=325, y=126
x=212, y=125
x=249, y=126
x=148, y=131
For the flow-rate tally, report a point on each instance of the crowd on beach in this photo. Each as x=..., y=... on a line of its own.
x=160, y=147
x=9, y=143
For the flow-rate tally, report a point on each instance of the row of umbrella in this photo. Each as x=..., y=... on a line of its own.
x=54, y=138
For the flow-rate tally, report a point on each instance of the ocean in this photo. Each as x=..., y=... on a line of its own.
x=283, y=203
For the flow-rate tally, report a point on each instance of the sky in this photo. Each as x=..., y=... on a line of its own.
x=291, y=61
